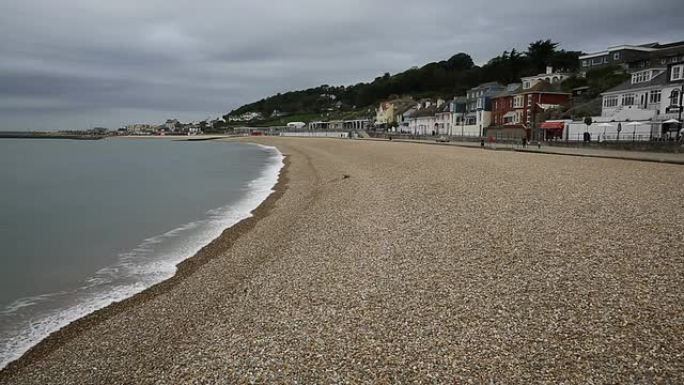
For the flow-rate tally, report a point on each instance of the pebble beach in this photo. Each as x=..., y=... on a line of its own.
x=379, y=262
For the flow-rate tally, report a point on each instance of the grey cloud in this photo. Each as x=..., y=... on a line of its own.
x=70, y=63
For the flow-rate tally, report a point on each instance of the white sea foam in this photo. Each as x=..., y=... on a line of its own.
x=151, y=262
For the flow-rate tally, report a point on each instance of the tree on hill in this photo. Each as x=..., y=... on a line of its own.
x=540, y=53
x=460, y=62
x=505, y=68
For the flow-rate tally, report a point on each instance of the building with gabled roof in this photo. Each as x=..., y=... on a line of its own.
x=390, y=112
x=640, y=108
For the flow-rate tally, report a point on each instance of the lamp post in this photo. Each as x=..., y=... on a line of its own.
x=619, y=129
x=463, y=118
x=681, y=100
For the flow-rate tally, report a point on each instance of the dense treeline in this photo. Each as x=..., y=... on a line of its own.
x=445, y=78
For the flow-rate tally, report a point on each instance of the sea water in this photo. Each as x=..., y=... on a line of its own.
x=87, y=223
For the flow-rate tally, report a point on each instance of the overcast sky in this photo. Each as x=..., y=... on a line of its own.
x=83, y=63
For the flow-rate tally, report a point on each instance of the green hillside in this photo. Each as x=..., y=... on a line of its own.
x=439, y=79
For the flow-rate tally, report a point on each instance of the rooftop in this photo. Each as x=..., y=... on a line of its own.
x=657, y=80
x=648, y=47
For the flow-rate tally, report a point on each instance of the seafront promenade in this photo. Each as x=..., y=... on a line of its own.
x=578, y=150
x=386, y=262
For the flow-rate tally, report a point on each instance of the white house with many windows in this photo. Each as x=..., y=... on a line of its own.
x=638, y=108
x=637, y=99
x=653, y=93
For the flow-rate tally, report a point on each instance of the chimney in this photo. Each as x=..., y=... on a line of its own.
x=549, y=70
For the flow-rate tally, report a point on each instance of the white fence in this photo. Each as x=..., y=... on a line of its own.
x=455, y=130
x=609, y=131
x=317, y=134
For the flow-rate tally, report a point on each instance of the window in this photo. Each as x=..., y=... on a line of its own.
x=628, y=99
x=674, y=98
x=655, y=96
x=616, y=56
x=526, y=84
x=585, y=63
x=518, y=117
x=518, y=101
x=597, y=60
x=605, y=60
x=641, y=77
x=610, y=101
x=677, y=72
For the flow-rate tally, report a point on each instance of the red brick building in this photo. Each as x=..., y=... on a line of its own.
x=502, y=105
x=514, y=111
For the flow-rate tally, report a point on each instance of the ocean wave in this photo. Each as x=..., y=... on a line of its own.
x=27, y=321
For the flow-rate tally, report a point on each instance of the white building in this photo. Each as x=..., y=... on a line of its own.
x=422, y=119
x=296, y=125
x=444, y=120
x=340, y=125
x=549, y=76
x=404, y=120
x=637, y=108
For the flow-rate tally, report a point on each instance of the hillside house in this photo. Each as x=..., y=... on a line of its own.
x=634, y=57
x=638, y=108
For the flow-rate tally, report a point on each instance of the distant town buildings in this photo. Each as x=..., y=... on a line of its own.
x=245, y=117
x=170, y=127
x=649, y=103
x=141, y=129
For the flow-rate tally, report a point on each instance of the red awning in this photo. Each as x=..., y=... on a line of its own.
x=553, y=125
